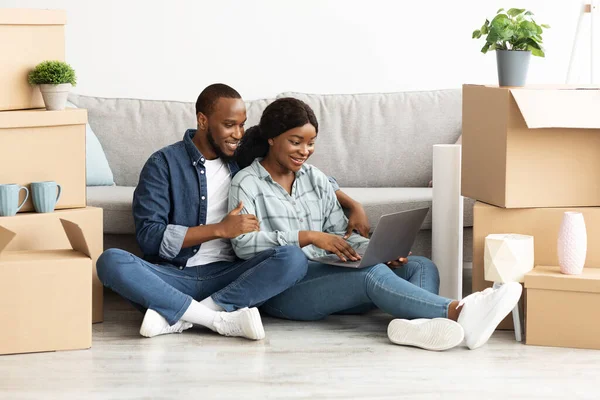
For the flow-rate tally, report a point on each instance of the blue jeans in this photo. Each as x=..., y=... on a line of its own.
x=169, y=290
x=409, y=292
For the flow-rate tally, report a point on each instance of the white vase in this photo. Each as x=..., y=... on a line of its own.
x=572, y=243
x=55, y=96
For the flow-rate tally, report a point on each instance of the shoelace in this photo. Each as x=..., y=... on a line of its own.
x=229, y=325
x=178, y=327
x=474, y=295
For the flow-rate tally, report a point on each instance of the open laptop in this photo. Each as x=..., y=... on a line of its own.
x=393, y=237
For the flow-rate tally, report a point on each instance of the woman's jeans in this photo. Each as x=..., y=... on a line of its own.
x=409, y=292
x=169, y=290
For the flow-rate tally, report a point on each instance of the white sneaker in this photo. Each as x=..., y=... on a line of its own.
x=483, y=311
x=430, y=334
x=154, y=324
x=244, y=322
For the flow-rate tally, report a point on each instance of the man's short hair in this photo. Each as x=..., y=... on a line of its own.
x=211, y=94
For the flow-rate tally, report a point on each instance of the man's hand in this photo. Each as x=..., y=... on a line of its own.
x=336, y=245
x=234, y=224
x=399, y=262
x=357, y=221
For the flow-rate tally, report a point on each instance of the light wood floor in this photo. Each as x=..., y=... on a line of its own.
x=341, y=357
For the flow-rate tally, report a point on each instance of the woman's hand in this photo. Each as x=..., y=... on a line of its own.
x=357, y=221
x=335, y=244
x=399, y=262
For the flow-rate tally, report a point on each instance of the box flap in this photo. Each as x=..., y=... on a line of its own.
x=34, y=118
x=28, y=16
x=564, y=108
x=5, y=237
x=76, y=237
x=550, y=278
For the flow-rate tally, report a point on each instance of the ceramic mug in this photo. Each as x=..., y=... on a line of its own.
x=45, y=195
x=9, y=199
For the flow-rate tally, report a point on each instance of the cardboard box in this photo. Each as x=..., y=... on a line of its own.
x=39, y=145
x=44, y=232
x=27, y=37
x=561, y=309
x=531, y=147
x=45, y=296
x=541, y=223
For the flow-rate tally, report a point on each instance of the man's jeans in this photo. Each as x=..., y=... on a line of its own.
x=169, y=290
x=409, y=292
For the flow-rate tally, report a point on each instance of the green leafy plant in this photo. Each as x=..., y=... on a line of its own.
x=514, y=29
x=52, y=72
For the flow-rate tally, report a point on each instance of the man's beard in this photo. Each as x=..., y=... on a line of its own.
x=217, y=150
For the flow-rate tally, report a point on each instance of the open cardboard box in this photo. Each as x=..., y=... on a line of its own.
x=46, y=296
x=44, y=231
x=531, y=147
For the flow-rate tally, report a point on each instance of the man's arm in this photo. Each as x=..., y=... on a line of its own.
x=231, y=226
x=357, y=218
x=151, y=208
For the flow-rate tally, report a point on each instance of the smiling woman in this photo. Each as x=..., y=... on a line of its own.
x=296, y=206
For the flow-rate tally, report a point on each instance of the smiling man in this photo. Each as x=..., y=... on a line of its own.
x=189, y=273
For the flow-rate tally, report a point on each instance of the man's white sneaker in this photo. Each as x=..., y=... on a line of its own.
x=436, y=334
x=483, y=311
x=244, y=322
x=154, y=324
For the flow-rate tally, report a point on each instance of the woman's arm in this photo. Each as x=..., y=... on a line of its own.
x=250, y=244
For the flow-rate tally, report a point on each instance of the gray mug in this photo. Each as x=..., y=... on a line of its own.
x=45, y=195
x=9, y=199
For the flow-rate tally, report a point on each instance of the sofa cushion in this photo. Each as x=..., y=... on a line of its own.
x=118, y=218
x=130, y=130
x=97, y=170
x=116, y=202
x=383, y=139
x=381, y=201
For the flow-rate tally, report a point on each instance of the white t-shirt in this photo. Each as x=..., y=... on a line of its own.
x=218, y=181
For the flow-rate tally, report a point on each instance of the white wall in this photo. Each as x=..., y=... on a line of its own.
x=173, y=49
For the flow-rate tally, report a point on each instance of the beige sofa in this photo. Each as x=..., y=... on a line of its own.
x=377, y=146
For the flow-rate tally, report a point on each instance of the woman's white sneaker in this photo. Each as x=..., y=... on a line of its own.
x=483, y=311
x=436, y=334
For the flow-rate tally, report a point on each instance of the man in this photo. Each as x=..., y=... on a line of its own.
x=190, y=274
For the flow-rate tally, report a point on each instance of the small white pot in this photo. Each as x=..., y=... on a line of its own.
x=55, y=96
x=572, y=243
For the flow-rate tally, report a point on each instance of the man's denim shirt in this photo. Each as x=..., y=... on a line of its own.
x=170, y=197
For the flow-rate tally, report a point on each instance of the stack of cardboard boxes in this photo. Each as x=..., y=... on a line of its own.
x=529, y=155
x=49, y=290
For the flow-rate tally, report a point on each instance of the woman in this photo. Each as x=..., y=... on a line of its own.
x=296, y=206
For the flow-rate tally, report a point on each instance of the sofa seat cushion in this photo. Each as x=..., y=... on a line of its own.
x=118, y=218
x=381, y=201
x=116, y=202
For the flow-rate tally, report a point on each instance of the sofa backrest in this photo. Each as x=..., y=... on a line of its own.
x=383, y=139
x=130, y=130
x=365, y=140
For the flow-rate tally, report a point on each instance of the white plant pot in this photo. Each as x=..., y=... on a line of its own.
x=55, y=96
x=572, y=243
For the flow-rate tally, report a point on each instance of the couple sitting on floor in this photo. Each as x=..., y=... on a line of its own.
x=218, y=242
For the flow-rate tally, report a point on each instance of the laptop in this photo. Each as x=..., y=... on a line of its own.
x=393, y=238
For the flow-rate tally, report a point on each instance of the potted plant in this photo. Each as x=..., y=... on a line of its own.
x=515, y=36
x=55, y=79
